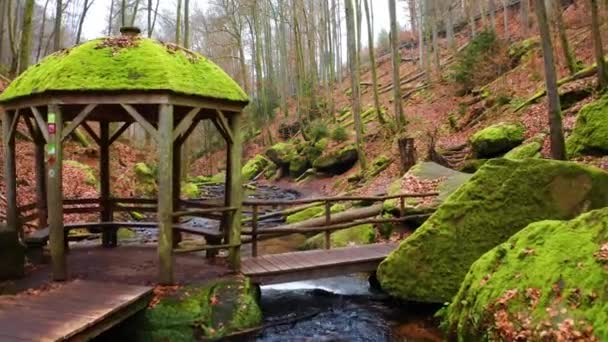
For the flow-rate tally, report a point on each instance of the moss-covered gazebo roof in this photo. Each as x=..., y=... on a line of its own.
x=115, y=64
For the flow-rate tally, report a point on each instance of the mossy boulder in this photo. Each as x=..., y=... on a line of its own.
x=89, y=172
x=190, y=190
x=254, y=167
x=298, y=166
x=529, y=150
x=518, y=50
x=305, y=214
x=358, y=235
x=146, y=179
x=378, y=165
x=208, y=311
x=549, y=282
x=472, y=165
x=121, y=64
x=125, y=234
x=337, y=162
x=500, y=199
x=282, y=154
x=217, y=179
x=497, y=139
x=590, y=135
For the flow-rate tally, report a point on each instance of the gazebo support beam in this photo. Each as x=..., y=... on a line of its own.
x=108, y=238
x=165, y=191
x=55, y=197
x=10, y=170
x=39, y=170
x=234, y=191
x=77, y=121
x=177, y=189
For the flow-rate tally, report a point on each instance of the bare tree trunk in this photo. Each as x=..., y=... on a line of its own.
x=2, y=24
x=85, y=10
x=26, y=36
x=372, y=59
x=525, y=17
x=396, y=57
x=110, y=18
x=449, y=28
x=123, y=13
x=558, y=150
x=597, y=43
x=563, y=37
x=178, y=25
x=187, y=24
x=492, y=14
x=149, y=18
x=134, y=15
x=435, y=38
x=42, y=29
x=471, y=15
x=58, y=14
x=411, y=4
x=354, y=75
x=505, y=18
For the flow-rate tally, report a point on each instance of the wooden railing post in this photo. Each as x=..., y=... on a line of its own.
x=327, y=223
x=254, y=231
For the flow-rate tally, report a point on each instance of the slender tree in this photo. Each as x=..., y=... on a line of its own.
x=351, y=35
x=372, y=59
x=26, y=36
x=396, y=57
x=85, y=9
x=187, y=24
x=123, y=13
x=558, y=150
x=602, y=77
x=57, y=31
x=178, y=23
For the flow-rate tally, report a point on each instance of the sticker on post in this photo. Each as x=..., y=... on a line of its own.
x=50, y=149
x=52, y=128
x=51, y=118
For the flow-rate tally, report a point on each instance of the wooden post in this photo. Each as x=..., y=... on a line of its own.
x=165, y=190
x=234, y=190
x=109, y=237
x=10, y=170
x=55, y=194
x=327, y=223
x=407, y=152
x=254, y=231
x=40, y=166
x=176, y=183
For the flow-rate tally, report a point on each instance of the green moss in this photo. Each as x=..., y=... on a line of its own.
x=145, y=64
x=378, y=165
x=529, y=150
x=254, y=166
x=358, y=235
x=298, y=166
x=305, y=214
x=211, y=311
x=551, y=271
x=519, y=50
x=146, y=179
x=125, y=234
x=190, y=190
x=497, y=139
x=322, y=144
x=282, y=153
x=503, y=197
x=472, y=165
x=88, y=171
x=144, y=171
x=590, y=135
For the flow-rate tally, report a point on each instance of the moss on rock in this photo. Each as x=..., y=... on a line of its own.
x=590, y=135
x=209, y=311
x=497, y=139
x=358, y=235
x=503, y=197
x=146, y=179
x=548, y=280
x=190, y=190
x=282, y=154
x=378, y=165
x=125, y=234
x=298, y=166
x=254, y=167
x=305, y=214
x=529, y=150
x=88, y=171
x=337, y=162
x=123, y=64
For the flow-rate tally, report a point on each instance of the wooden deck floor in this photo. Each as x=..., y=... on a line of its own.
x=75, y=311
x=294, y=266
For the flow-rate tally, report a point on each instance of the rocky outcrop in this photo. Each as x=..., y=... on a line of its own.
x=254, y=167
x=547, y=282
x=337, y=162
x=496, y=140
x=503, y=197
x=198, y=312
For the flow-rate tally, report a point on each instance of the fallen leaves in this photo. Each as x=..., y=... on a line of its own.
x=602, y=255
x=162, y=291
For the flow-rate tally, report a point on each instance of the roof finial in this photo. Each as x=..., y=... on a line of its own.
x=130, y=31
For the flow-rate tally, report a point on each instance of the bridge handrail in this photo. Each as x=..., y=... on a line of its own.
x=337, y=199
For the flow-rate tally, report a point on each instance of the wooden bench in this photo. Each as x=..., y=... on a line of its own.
x=36, y=241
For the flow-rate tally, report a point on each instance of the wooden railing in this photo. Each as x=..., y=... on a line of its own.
x=258, y=234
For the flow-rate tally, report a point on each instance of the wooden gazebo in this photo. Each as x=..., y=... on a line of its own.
x=129, y=79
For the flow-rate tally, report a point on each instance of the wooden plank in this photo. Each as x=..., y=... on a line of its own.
x=119, y=132
x=165, y=187
x=147, y=126
x=55, y=199
x=77, y=121
x=91, y=132
x=234, y=191
x=228, y=130
x=186, y=123
x=42, y=126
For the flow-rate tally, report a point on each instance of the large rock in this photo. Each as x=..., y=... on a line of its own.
x=282, y=154
x=497, y=139
x=254, y=167
x=503, y=197
x=200, y=312
x=549, y=282
x=337, y=162
x=590, y=135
